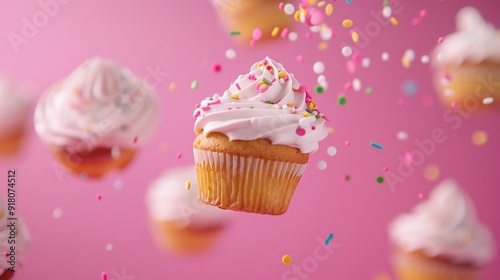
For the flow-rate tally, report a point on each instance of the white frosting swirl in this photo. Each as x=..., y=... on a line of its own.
x=22, y=239
x=169, y=200
x=100, y=103
x=266, y=103
x=14, y=107
x=446, y=225
x=475, y=41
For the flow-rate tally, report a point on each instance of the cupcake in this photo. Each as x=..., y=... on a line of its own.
x=97, y=118
x=254, y=141
x=14, y=107
x=13, y=233
x=467, y=63
x=442, y=238
x=244, y=16
x=180, y=223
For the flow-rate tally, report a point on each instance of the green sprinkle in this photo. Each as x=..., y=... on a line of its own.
x=233, y=33
x=266, y=81
x=318, y=117
x=380, y=179
x=194, y=84
x=342, y=100
x=368, y=90
x=347, y=178
x=251, y=107
x=269, y=102
x=386, y=3
x=319, y=89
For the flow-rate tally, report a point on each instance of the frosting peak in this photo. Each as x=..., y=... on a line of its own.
x=445, y=225
x=100, y=102
x=268, y=102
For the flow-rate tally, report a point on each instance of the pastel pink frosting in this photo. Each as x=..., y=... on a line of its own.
x=100, y=104
x=445, y=225
x=14, y=107
x=268, y=103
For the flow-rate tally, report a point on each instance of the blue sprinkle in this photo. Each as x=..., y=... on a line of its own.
x=330, y=237
x=309, y=111
x=348, y=1
x=410, y=87
x=375, y=145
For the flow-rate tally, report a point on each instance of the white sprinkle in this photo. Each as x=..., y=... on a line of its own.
x=385, y=56
x=326, y=34
x=324, y=85
x=365, y=62
x=410, y=55
x=289, y=9
x=321, y=79
x=315, y=29
x=319, y=67
x=321, y=165
x=57, y=214
x=403, y=136
x=356, y=85
x=346, y=51
x=448, y=92
x=109, y=247
x=331, y=151
x=488, y=100
x=387, y=12
x=292, y=36
x=230, y=54
x=425, y=59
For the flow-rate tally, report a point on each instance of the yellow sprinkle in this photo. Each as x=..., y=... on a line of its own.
x=260, y=64
x=286, y=259
x=479, y=138
x=273, y=108
x=296, y=16
x=394, y=21
x=235, y=96
x=172, y=86
x=188, y=185
x=312, y=105
x=303, y=11
x=329, y=9
x=355, y=36
x=406, y=62
x=347, y=23
x=330, y=129
x=291, y=105
x=431, y=172
x=275, y=31
x=306, y=114
x=281, y=74
x=321, y=4
x=322, y=46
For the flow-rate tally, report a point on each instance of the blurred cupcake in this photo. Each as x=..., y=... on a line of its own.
x=467, y=63
x=13, y=233
x=244, y=16
x=14, y=107
x=441, y=238
x=96, y=119
x=180, y=222
x=254, y=141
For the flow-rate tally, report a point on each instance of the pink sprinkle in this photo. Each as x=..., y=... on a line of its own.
x=324, y=117
x=229, y=109
x=447, y=76
x=281, y=5
x=313, y=127
x=356, y=57
x=440, y=39
x=284, y=33
x=300, y=131
x=416, y=21
x=216, y=67
x=257, y=34
x=99, y=197
x=237, y=86
x=347, y=143
x=179, y=155
x=385, y=169
x=408, y=158
x=308, y=35
x=252, y=43
x=299, y=58
x=104, y=276
x=213, y=102
x=6, y=254
x=351, y=67
x=196, y=114
x=420, y=195
x=453, y=104
x=423, y=13
x=348, y=86
x=302, y=88
x=135, y=139
x=317, y=18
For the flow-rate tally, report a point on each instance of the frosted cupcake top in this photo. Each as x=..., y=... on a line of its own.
x=14, y=107
x=266, y=103
x=22, y=238
x=168, y=199
x=100, y=103
x=474, y=41
x=446, y=225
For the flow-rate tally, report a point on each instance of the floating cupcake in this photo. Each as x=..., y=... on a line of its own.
x=180, y=222
x=97, y=119
x=467, y=63
x=254, y=141
x=14, y=111
x=442, y=238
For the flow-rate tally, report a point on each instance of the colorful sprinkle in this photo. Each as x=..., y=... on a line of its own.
x=431, y=172
x=387, y=12
x=234, y=33
x=194, y=84
x=385, y=56
x=347, y=23
x=376, y=145
x=322, y=46
x=104, y=276
x=109, y=247
x=118, y=184
x=346, y=178
x=99, y=197
x=57, y=213
x=319, y=89
x=394, y=21
x=380, y=179
x=257, y=34
x=488, y=100
x=479, y=138
x=319, y=67
x=347, y=143
x=179, y=155
x=342, y=100
x=289, y=9
x=235, y=96
x=300, y=131
x=355, y=36
x=135, y=139
x=284, y=33
x=330, y=237
x=331, y=151
x=230, y=54
x=286, y=259
x=6, y=254
x=329, y=9
x=172, y=86
x=421, y=196
x=368, y=90
x=402, y=136
x=216, y=67
x=188, y=185
x=425, y=59
x=321, y=165
x=440, y=39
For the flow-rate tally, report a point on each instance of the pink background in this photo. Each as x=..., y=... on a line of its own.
x=184, y=38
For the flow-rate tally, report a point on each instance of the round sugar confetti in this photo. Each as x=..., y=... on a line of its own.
x=365, y=62
x=300, y=131
x=216, y=67
x=230, y=54
x=479, y=138
x=109, y=247
x=380, y=179
x=410, y=87
x=256, y=34
x=57, y=214
x=331, y=151
x=402, y=136
x=387, y=12
x=425, y=59
x=385, y=56
x=326, y=34
x=299, y=58
x=319, y=67
x=342, y=100
x=321, y=165
x=289, y=9
x=293, y=36
x=319, y=89
x=356, y=85
x=409, y=54
x=347, y=23
x=172, y=86
x=188, y=185
x=321, y=79
x=286, y=259
x=368, y=90
x=488, y=100
x=194, y=84
x=431, y=172
x=346, y=51
x=346, y=178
